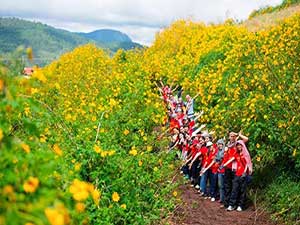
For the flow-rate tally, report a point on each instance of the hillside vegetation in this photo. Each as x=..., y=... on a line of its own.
x=48, y=43
x=78, y=140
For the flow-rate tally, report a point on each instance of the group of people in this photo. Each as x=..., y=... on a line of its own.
x=218, y=170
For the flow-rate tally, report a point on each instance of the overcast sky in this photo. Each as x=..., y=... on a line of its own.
x=139, y=19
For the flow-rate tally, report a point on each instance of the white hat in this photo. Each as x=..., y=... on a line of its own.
x=208, y=144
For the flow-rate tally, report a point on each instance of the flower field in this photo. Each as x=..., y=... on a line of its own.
x=78, y=141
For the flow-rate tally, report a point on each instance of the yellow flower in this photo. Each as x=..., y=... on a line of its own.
x=25, y=147
x=175, y=193
x=97, y=149
x=1, y=134
x=57, y=150
x=126, y=132
x=115, y=197
x=1, y=85
x=149, y=148
x=295, y=152
x=58, y=215
x=29, y=223
x=133, y=152
x=34, y=91
x=80, y=207
x=258, y=158
x=31, y=185
x=8, y=189
x=39, y=75
x=257, y=145
x=77, y=166
x=96, y=196
x=140, y=163
x=80, y=190
x=123, y=206
x=43, y=138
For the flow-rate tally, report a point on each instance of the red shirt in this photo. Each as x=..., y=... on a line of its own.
x=194, y=149
x=228, y=155
x=204, y=153
x=241, y=163
x=174, y=123
x=211, y=156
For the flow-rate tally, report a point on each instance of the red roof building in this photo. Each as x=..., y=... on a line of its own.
x=28, y=71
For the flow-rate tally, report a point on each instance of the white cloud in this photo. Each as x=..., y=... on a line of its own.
x=139, y=19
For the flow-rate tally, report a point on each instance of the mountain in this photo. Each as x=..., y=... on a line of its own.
x=112, y=39
x=48, y=43
x=106, y=36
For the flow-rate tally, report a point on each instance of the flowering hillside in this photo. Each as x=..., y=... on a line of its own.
x=79, y=140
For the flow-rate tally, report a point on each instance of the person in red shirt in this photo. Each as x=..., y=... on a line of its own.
x=193, y=167
x=205, y=162
x=228, y=159
x=211, y=169
x=243, y=168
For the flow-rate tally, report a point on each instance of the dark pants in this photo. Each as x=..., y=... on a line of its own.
x=228, y=180
x=213, y=177
x=195, y=169
x=185, y=170
x=238, y=194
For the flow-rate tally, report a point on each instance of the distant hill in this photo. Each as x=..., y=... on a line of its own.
x=112, y=39
x=106, y=36
x=48, y=43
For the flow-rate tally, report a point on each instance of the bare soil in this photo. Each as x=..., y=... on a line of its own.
x=197, y=210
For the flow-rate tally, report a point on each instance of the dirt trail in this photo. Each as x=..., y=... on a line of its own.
x=197, y=210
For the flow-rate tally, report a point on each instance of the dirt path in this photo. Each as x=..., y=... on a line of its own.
x=197, y=210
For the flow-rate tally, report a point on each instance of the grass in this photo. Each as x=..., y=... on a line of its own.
x=268, y=20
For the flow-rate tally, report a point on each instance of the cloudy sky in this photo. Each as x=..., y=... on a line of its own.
x=139, y=19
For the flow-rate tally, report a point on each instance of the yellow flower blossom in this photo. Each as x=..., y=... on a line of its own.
x=96, y=194
x=80, y=207
x=43, y=138
x=77, y=166
x=1, y=85
x=123, y=206
x=97, y=149
x=1, y=134
x=80, y=190
x=58, y=215
x=8, y=189
x=57, y=150
x=133, y=152
x=25, y=147
x=115, y=197
x=140, y=162
x=34, y=91
x=126, y=132
x=31, y=185
x=175, y=193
